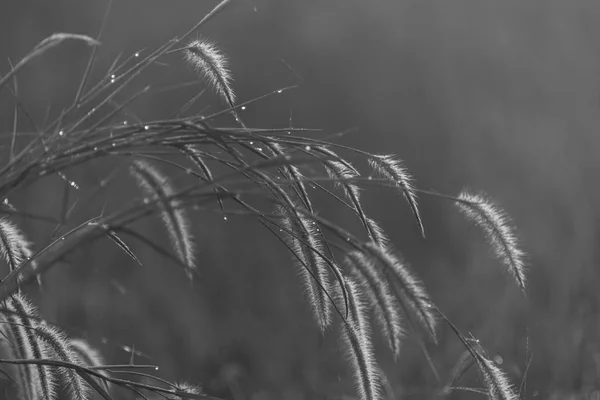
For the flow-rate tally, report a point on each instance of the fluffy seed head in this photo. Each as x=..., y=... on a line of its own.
x=306, y=245
x=380, y=296
x=156, y=185
x=14, y=247
x=209, y=62
x=496, y=381
x=407, y=287
x=391, y=168
x=87, y=356
x=359, y=349
x=498, y=230
x=55, y=342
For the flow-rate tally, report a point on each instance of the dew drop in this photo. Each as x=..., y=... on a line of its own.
x=113, y=144
x=112, y=77
x=72, y=183
x=125, y=122
x=280, y=91
x=95, y=149
x=225, y=218
x=307, y=148
x=136, y=55
x=146, y=127
x=251, y=143
x=61, y=133
x=243, y=108
x=259, y=148
x=156, y=368
x=146, y=200
x=289, y=132
x=112, y=81
x=5, y=201
x=369, y=177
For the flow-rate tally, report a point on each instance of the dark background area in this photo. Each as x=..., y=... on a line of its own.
x=497, y=96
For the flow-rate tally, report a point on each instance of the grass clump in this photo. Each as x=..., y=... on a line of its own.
x=345, y=274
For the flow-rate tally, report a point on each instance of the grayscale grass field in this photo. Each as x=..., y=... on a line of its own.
x=198, y=252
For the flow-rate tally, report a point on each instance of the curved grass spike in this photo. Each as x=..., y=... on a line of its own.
x=55, y=342
x=379, y=236
x=406, y=286
x=42, y=377
x=157, y=186
x=380, y=296
x=14, y=248
x=87, y=356
x=15, y=335
x=210, y=63
x=313, y=269
x=496, y=225
x=391, y=168
x=496, y=382
x=187, y=388
x=49, y=42
x=342, y=175
x=357, y=339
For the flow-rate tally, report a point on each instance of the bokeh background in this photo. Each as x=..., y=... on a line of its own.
x=497, y=96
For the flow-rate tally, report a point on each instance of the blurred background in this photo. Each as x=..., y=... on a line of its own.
x=497, y=96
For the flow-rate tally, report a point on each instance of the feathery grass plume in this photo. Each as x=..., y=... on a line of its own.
x=87, y=356
x=49, y=42
x=157, y=186
x=406, y=286
x=43, y=377
x=496, y=382
x=357, y=338
x=14, y=348
x=188, y=388
x=208, y=61
x=498, y=230
x=333, y=155
x=305, y=245
x=14, y=248
x=380, y=296
x=391, y=168
x=377, y=234
x=56, y=343
x=342, y=174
